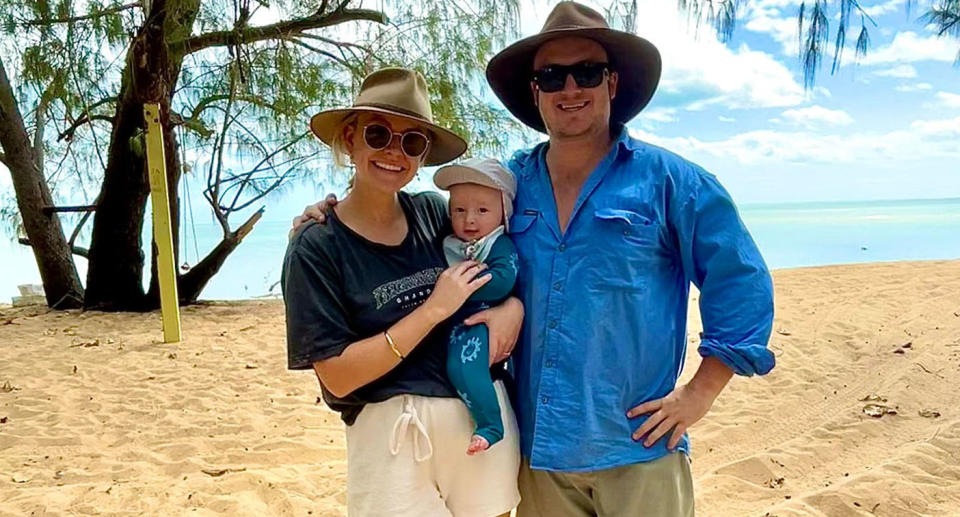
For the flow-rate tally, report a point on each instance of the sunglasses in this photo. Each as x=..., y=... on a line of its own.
x=413, y=143
x=553, y=78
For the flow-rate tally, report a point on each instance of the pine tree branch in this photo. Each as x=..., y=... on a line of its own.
x=72, y=19
x=281, y=30
x=68, y=133
x=76, y=250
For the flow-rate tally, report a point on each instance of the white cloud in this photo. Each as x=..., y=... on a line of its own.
x=909, y=47
x=721, y=118
x=664, y=115
x=930, y=138
x=901, y=71
x=782, y=29
x=950, y=100
x=884, y=8
x=817, y=115
x=914, y=87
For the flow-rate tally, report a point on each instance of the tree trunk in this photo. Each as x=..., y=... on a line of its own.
x=115, y=274
x=61, y=283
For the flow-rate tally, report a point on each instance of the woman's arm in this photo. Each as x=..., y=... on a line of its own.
x=366, y=360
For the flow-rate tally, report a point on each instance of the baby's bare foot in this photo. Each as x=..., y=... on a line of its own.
x=477, y=444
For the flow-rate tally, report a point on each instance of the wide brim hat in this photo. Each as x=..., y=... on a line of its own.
x=397, y=92
x=636, y=61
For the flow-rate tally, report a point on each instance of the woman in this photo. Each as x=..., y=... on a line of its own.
x=367, y=294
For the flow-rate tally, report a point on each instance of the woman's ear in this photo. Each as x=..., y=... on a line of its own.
x=349, y=131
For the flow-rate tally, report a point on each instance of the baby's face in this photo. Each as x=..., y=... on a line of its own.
x=475, y=210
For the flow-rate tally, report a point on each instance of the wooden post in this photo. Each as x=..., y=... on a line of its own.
x=162, y=230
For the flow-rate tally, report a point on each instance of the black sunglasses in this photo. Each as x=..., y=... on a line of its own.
x=552, y=78
x=378, y=136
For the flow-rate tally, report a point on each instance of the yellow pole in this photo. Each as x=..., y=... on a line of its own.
x=162, y=230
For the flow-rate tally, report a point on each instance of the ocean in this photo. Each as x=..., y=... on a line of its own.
x=789, y=235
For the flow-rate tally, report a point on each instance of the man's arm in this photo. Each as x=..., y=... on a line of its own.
x=717, y=255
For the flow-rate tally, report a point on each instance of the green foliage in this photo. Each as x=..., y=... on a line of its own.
x=241, y=107
x=945, y=16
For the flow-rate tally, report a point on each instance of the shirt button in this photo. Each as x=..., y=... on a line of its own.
x=550, y=364
x=626, y=232
x=544, y=400
x=556, y=286
x=562, y=247
x=552, y=324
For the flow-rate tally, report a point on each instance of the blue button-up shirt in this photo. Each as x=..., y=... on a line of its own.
x=606, y=300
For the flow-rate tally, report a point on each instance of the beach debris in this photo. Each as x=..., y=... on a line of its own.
x=878, y=410
x=873, y=398
x=776, y=482
x=251, y=367
x=924, y=368
x=251, y=327
x=9, y=321
x=784, y=332
x=172, y=355
x=74, y=369
x=7, y=387
x=86, y=344
x=902, y=349
x=3, y=420
x=219, y=472
x=19, y=478
x=929, y=413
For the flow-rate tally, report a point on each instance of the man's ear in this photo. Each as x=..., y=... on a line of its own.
x=612, y=84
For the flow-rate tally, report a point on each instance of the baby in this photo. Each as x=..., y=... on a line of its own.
x=481, y=201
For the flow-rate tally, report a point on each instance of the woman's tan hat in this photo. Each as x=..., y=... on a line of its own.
x=400, y=93
x=636, y=61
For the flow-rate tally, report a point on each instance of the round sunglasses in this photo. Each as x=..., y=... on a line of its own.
x=413, y=143
x=553, y=78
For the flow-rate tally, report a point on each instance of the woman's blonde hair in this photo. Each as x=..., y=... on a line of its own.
x=338, y=145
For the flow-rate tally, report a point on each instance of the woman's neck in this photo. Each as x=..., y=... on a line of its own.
x=374, y=214
x=370, y=206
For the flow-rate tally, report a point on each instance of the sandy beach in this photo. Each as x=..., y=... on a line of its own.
x=99, y=417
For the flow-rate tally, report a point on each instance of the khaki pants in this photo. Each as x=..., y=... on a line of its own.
x=660, y=488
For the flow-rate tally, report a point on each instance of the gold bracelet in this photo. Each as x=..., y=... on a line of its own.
x=393, y=346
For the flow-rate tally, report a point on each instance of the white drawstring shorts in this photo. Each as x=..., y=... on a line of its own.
x=407, y=456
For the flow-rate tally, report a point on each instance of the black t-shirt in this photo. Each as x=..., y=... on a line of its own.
x=340, y=287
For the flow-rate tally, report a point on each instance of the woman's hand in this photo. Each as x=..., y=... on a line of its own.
x=316, y=212
x=503, y=322
x=454, y=286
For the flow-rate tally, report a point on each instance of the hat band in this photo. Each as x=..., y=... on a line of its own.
x=391, y=107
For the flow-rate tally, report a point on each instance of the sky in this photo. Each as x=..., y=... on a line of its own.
x=886, y=127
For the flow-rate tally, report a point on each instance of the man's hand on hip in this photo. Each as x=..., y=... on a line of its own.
x=684, y=406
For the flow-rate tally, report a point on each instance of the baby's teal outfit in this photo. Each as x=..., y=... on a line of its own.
x=468, y=351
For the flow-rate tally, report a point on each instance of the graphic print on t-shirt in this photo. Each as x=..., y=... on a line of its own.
x=421, y=283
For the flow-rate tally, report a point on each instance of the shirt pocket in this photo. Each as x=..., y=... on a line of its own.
x=628, y=248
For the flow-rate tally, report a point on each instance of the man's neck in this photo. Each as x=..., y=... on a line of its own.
x=576, y=157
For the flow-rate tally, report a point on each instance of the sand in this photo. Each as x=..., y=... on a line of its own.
x=98, y=417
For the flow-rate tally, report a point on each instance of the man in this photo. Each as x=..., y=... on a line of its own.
x=611, y=232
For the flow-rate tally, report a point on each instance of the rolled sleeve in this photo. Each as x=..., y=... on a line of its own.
x=721, y=259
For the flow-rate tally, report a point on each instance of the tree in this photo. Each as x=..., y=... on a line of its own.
x=236, y=81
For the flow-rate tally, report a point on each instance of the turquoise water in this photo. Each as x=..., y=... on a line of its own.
x=789, y=235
